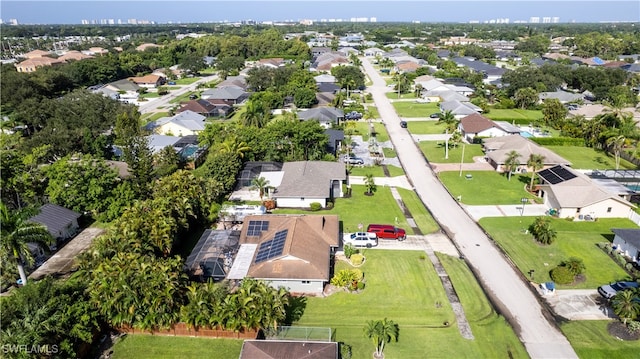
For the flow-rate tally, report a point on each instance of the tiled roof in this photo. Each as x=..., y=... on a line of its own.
x=309, y=178
x=499, y=147
x=476, y=123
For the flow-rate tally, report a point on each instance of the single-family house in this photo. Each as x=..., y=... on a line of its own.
x=61, y=223
x=336, y=138
x=574, y=195
x=268, y=349
x=627, y=241
x=149, y=81
x=234, y=81
x=490, y=72
x=562, y=96
x=373, y=52
x=348, y=50
x=326, y=116
x=212, y=256
x=476, y=125
x=406, y=66
x=145, y=46
x=459, y=109
x=127, y=90
x=319, y=50
x=290, y=251
x=325, y=78
x=273, y=63
x=328, y=60
x=182, y=124
x=229, y=94
x=74, y=56
x=206, y=108
x=32, y=64
x=305, y=182
x=36, y=53
x=496, y=149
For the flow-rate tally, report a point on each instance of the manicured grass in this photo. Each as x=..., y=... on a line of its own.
x=419, y=212
x=575, y=239
x=389, y=152
x=143, y=346
x=590, y=339
x=394, y=95
x=413, y=109
x=374, y=111
x=426, y=127
x=392, y=282
x=486, y=324
x=589, y=158
x=379, y=208
x=363, y=129
x=149, y=95
x=376, y=171
x=152, y=116
x=435, y=152
x=187, y=80
x=182, y=98
x=518, y=116
x=486, y=187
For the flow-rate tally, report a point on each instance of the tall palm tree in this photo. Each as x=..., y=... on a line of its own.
x=417, y=89
x=625, y=305
x=370, y=183
x=616, y=143
x=261, y=184
x=535, y=162
x=16, y=233
x=381, y=332
x=511, y=162
x=256, y=114
x=449, y=119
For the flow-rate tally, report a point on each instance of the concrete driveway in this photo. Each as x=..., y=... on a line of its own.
x=579, y=304
x=503, y=284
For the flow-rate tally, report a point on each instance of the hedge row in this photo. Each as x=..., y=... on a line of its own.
x=558, y=141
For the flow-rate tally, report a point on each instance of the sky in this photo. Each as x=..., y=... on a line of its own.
x=164, y=11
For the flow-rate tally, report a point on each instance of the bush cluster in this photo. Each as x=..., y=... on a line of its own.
x=561, y=275
x=558, y=141
x=315, y=206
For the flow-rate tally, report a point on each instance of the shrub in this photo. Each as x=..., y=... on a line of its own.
x=558, y=141
x=349, y=250
x=360, y=285
x=633, y=326
x=357, y=259
x=628, y=266
x=575, y=265
x=315, y=206
x=346, y=277
x=329, y=205
x=561, y=275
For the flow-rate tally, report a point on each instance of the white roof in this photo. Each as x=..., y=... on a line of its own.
x=274, y=177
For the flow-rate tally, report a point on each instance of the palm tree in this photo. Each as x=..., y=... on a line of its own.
x=17, y=233
x=370, y=183
x=417, y=89
x=535, y=162
x=512, y=162
x=256, y=114
x=542, y=231
x=233, y=145
x=261, y=184
x=449, y=119
x=381, y=332
x=616, y=143
x=625, y=305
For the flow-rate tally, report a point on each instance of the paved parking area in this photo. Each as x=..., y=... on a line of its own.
x=579, y=304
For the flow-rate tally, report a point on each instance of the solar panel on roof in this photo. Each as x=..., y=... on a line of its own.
x=255, y=228
x=273, y=247
x=557, y=174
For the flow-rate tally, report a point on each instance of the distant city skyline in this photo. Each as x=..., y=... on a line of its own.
x=159, y=11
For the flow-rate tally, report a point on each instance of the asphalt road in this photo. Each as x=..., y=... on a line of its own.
x=153, y=104
x=508, y=290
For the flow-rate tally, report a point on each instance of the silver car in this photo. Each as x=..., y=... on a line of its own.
x=610, y=290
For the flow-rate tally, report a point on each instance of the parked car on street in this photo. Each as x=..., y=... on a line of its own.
x=353, y=160
x=403, y=124
x=610, y=290
x=435, y=115
x=360, y=239
x=387, y=231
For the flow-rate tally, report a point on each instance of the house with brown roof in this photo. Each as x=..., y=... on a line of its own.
x=143, y=47
x=206, y=108
x=269, y=349
x=149, y=81
x=74, y=56
x=574, y=195
x=497, y=148
x=33, y=63
x=476, y=125
x=291, y=251
x=273, y=63
x=36, y=53
x=406, y=66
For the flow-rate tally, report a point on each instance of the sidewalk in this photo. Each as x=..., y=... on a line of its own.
x=399, y=181
x=477, y=212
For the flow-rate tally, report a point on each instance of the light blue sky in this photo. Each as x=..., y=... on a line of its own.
x=162, y=11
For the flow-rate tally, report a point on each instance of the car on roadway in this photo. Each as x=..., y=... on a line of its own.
x=610, y=290
x=435, y=115
x=360, y=239
x=353, y=160
x=403, y=124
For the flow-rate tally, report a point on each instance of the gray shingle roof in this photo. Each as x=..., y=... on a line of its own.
x=309, y=178
x=322, y=114
x=629, y=235
x=225, y=93
x=54, y=217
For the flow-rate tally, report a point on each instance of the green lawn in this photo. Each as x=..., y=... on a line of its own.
x=590, y=339
x=435, y=152
x=394, y=95
x=161, y=347
x=575, y=239
x=182, y=98
x=426, y=127
x=523, y=117
x=379, y=208
x=374, y=111
x=589, y=158
x=389, y=152
x=187, y=80
x=149, y=95
x=419, y=212
x=392, y=278
x=413, y=109
x=376, y=171
x=152, y=116
x=486, y=187
x=363, y=127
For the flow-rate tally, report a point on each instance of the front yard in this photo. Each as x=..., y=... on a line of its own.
x=575, y=239
x=414, y=109
x=486, y=187
x=517, y=116
x=589, y=158
x=426, y=127
x=590, y=339
x=435, y=152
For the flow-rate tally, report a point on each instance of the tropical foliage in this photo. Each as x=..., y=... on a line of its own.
x=542, y=231
x=381, y=332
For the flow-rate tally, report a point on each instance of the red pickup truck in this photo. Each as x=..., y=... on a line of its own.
x=387, y=231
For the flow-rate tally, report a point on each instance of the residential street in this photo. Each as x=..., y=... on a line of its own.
x=152, y=105
x=507, y=290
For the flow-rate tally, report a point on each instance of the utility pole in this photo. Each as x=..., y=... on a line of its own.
x=446, y=144
x=461, y=160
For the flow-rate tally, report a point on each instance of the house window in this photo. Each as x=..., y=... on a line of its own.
x=306, y=282
x=302, y=198
x=608, y=209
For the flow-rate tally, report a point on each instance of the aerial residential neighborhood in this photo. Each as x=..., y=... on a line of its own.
x=320, y=189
